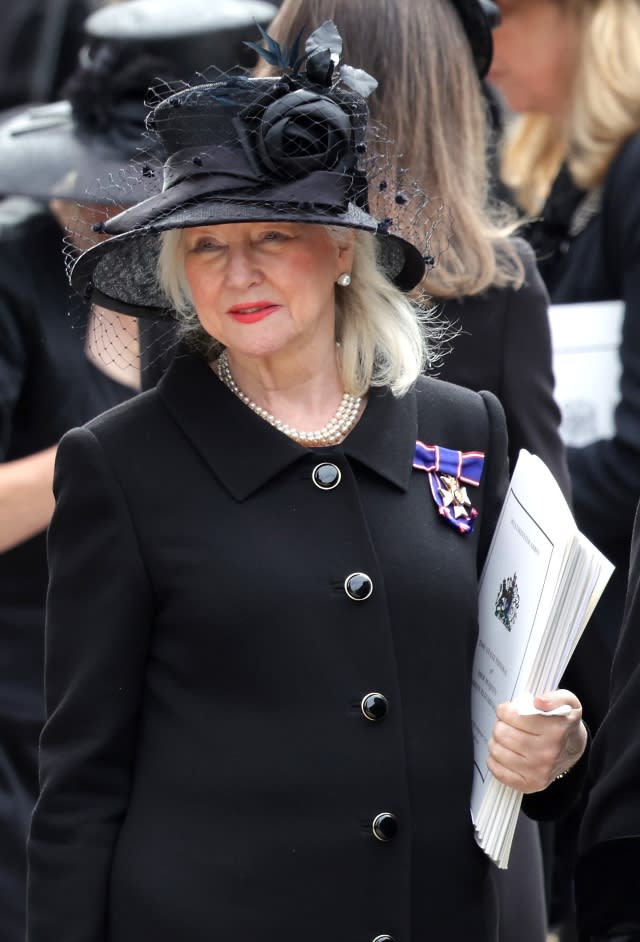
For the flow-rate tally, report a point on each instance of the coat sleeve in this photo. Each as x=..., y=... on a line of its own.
x=97, y=634
x=606, y=474
x=608, y=874
x=533, y=415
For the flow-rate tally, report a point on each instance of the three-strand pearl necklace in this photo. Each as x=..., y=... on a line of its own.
x=330, y=434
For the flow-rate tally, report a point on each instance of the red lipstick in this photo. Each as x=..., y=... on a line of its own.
x=252, y=312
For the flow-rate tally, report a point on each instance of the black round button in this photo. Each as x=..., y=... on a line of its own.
x=374, y=706
x=385, y=826
x=326, y=476
x=358, y=586
x=383, y=938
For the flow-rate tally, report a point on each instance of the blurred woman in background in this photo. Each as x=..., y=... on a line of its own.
x=571, y=69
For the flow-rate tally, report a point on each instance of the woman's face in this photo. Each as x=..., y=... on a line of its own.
x=266, y=288
x=535, y=55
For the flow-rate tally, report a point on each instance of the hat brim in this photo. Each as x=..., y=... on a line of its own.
x=43, y=155
x=121, y=272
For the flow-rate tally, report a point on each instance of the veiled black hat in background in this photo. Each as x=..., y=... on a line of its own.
x=285, y=149
x=78, y=148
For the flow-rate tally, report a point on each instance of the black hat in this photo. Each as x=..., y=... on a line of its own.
x=479, y=17
x=289, y=149
x=63, y=149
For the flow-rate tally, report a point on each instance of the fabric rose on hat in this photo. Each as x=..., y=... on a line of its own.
x=303, y=132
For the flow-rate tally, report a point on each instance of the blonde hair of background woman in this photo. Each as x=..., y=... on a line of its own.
x=385, y=337
x=604, y=112
x=431, y=105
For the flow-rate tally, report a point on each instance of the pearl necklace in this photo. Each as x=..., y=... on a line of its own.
x=333, y=432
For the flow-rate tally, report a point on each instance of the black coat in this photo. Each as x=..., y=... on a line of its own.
x=608, y=872
x=206, y=767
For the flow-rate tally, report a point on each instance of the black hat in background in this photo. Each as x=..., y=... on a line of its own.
x=78, y=148
x=479, y=18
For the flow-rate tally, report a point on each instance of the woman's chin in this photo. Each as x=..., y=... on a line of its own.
x=256, y=347
x=261, y=343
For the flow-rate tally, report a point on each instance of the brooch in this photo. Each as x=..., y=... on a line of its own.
x=450, y=473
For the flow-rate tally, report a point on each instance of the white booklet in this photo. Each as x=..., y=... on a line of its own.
x=539, y=586
x=586, y=339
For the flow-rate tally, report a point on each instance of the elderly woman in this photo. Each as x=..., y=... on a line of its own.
x=262, y=615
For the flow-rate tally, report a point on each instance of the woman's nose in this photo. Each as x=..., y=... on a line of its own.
x=242, y=269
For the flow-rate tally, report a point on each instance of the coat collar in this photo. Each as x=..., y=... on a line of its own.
x=245, y=452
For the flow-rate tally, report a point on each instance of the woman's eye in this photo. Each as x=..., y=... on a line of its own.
x=206, y=245
x=274, y=235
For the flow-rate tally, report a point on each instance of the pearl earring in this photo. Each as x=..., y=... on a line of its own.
x=344, y=280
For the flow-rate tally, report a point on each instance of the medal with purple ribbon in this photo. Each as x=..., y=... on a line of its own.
x=450, y=473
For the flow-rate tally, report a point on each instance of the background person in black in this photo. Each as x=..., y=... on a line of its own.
x=48, y=384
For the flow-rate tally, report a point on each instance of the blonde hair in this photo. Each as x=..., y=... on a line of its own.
x=384, y=336
x=430, y=102
x=604, y=110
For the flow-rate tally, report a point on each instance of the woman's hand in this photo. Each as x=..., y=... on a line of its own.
x=529, y=752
